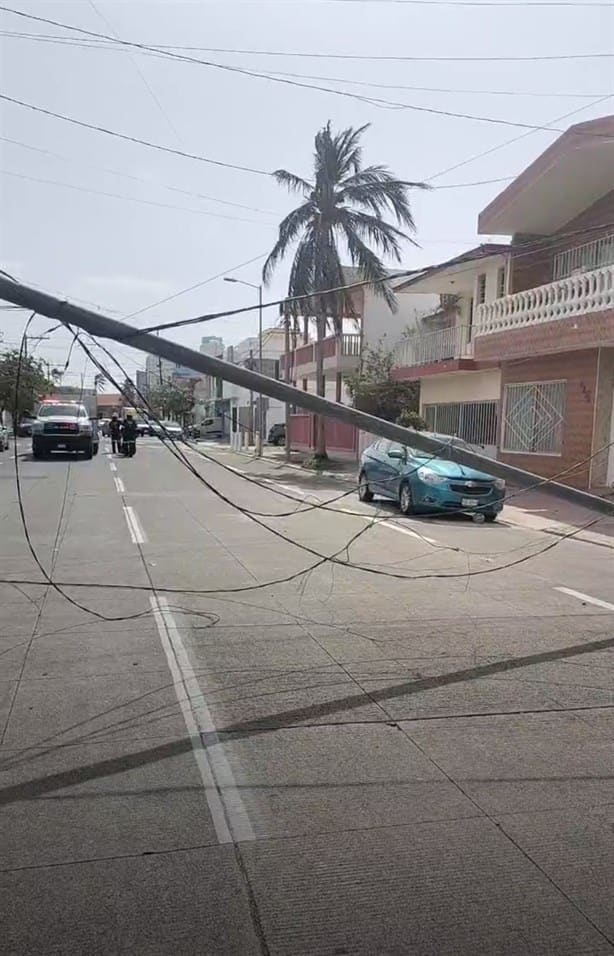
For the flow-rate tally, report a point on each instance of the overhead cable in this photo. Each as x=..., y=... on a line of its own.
x=312, y=55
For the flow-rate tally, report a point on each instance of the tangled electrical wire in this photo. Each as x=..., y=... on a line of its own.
x=322, y=559
x=334, y=559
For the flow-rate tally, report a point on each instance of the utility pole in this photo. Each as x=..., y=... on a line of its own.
x=287, y=377
x=261, y=416
x=251, y=399
x=101, y=326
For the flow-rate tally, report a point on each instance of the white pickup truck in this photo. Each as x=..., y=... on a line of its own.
x=64, y=426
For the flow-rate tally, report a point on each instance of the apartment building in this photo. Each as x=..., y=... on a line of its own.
x=522, y=356
x=240, y=406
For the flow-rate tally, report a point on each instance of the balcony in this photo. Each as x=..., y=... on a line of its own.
x=431, y=348
x=585, y=258
x=576, y=295
x=339, y=353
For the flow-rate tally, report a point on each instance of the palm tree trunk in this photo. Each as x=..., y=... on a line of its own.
x=320, y=427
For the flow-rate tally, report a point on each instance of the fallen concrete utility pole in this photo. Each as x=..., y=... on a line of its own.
x=103, y=327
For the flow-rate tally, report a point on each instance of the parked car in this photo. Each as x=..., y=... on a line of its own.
x=64, y=426
x=166, y=429
x=103, y=426
x=277, y=435
x=4, y=438
x=423, y=484
x=142, y=427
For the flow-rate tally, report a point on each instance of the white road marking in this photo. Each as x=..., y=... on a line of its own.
x=137, y=534
x=391, y=525
x=228, y=813
x=112, y=466
x=119, y=486
x=586, y=598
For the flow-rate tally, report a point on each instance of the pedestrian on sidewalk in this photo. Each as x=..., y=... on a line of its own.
x=115, y=431
x=129, y=436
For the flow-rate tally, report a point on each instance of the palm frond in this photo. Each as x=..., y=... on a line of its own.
x=379, y=233
x=376, y=189
x=289, y=230
x=370, y=267
x=293, y=183
x=301, y=277
x=348, y=149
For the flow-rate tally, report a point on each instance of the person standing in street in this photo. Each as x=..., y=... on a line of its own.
x=115, y=431
x=129, y=436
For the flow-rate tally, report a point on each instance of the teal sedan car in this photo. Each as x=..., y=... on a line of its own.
x=425, y=485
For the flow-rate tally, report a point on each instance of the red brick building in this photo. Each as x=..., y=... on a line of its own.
x=526, y=357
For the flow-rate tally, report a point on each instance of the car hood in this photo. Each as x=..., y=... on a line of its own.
x=449, y=469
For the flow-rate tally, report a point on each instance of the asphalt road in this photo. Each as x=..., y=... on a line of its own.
x=344, y=763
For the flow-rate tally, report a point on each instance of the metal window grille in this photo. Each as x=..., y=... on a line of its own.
x=533, y=419
x=501, y=282
x=474, y=422
x=481, y=296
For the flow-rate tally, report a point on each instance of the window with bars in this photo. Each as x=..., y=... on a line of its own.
x=481, y=289
x=501, y=282
x=474, y=422
x=533, y=418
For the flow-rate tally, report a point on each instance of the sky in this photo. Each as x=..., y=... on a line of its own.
x=162, y=236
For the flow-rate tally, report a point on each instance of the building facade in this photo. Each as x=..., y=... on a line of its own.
x=534, y=369
x=372, y=325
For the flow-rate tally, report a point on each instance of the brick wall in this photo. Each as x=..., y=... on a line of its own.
x=528, y=271
x=559, y=335
x=579, y=370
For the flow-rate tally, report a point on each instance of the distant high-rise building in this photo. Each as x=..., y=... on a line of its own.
x=141, y=381
x=212, y=345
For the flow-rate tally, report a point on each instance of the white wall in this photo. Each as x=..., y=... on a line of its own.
x=380, y=323
x=460, y=387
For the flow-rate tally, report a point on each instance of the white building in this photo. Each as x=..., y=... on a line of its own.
x=158, y=370
x=240, y=403
x=374, y=324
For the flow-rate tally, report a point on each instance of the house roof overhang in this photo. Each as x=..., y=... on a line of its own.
x=569, y=177
x=455, y=275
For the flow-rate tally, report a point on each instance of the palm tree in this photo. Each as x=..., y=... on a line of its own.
x=342, y=208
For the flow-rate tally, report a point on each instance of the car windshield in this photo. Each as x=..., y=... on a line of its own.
x=448, y=441
x=47, y=411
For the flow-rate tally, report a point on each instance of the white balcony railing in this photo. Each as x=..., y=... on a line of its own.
x=351, y=344
x=575, y=295
x=584, y=258
x=439, y=346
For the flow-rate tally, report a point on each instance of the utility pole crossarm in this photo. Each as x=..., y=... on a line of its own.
x=103, y=327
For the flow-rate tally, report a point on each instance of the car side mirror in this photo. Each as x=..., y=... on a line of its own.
x=397, y=454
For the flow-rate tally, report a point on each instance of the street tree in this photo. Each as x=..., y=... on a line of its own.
x=172, y=401
x=343, y=208
x=23, y=383
x=373, y=390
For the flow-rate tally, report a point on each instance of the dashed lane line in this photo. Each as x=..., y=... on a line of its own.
x=120, y=487
x=227, y=810
x=137, y=534
x=586, y=598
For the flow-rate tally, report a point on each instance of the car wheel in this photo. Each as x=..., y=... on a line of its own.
x=490, y=518
x=406, y=501
x=95, y=449
x=364, y=492
x=37, y=451
x=89, y=451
